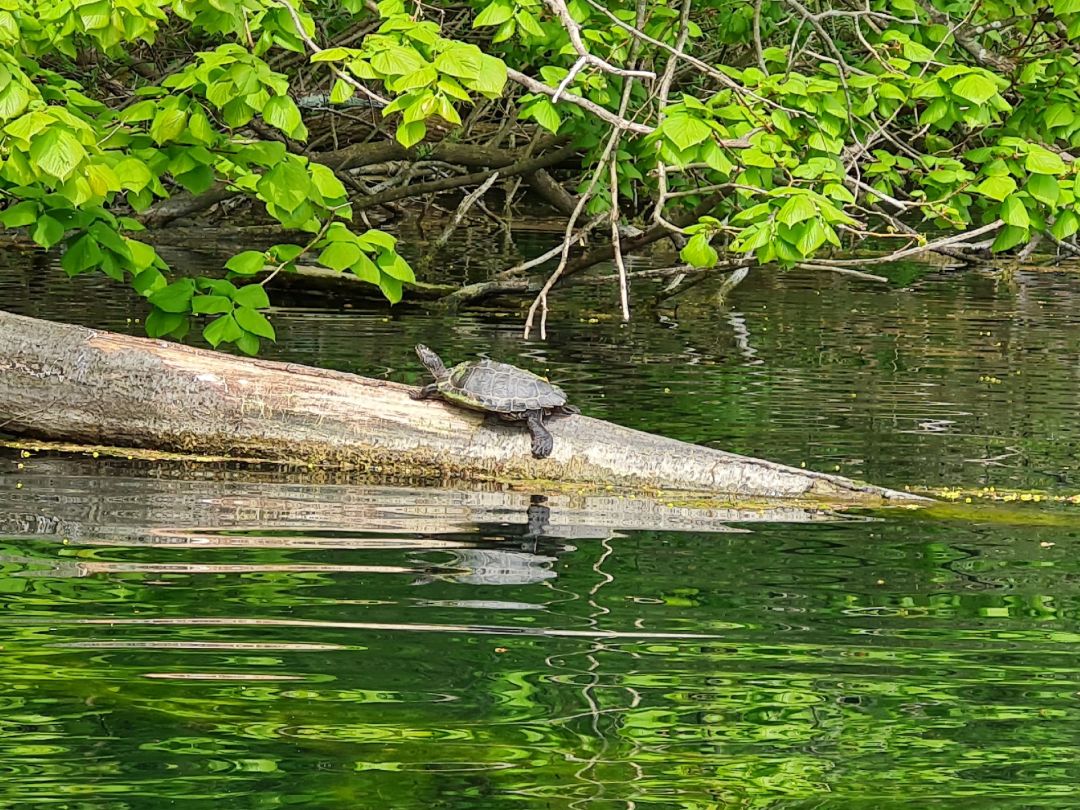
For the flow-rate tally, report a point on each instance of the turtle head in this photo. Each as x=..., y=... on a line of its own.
x=431, y=361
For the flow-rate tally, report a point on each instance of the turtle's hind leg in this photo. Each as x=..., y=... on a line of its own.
x=543, y=442
x=426, y=392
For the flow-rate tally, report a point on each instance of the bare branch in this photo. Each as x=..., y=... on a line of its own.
x=316, y=48
x=914, y=251
x=969, y=43
x=603, y=114
x=558, y=7
x=704, y=67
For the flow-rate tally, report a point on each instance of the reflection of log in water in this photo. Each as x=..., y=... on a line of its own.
x=107, y=509
x=74, y=384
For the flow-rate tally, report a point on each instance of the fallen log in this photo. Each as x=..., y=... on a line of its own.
x=59, y=381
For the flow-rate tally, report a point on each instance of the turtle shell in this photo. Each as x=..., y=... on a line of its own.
x=500, y=388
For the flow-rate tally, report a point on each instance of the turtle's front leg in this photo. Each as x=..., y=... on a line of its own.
x=543, y=441
x=426, y=392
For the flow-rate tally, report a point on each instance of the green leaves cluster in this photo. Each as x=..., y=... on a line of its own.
x=430, y=73
x=72, y=169
x=239, y=86
x=1033, y=186
x=237, y=309
x=371, y=257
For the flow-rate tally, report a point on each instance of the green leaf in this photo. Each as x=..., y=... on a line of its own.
x=282, y=112
x=494, y=14
x=1014, y=213
x=391, y=288
x=148, y=282
x=684, y=131
x=222, y=330
x=411, y=134
x=397, y=61
x=1059, y=115
x=375, y=238
x=13, y=100
x=133, y=173
x=1044, y=188
x=997, y=187
x=142, y=255
x=176, y=297
x=490, y=80
x=974, y=87
x=139, y=111
x=251, y=320
x=20, y=214
x=796, y=209
x=199, y=127
x=365, y=270
x=1009, y=237
x=48, y=231
x=1043, y=161
x=102, y=179
x=334, y=54
x=755, y=157
x=699, y=252
x=462, y=61
x=247, y=263
x=1065, y=225
x=339, y=255
x=81, y=255
x=167, y=125
x=528, y=24
x=935, y=111
x=248, y=344
x=917, y=53
x=341, y=92
x=544, y=113
x=418, y=78
x=322, y=177
x=286, y=252
x=57, y=152
x=160, y=323
x=210, y=304
x=714, y=155
x=285, y=185
x=812, y=237
x=395, y=266
x=252, y=295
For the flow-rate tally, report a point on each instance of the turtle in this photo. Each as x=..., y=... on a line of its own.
x=509, y=392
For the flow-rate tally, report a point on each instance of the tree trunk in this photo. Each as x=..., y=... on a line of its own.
x=59, y=381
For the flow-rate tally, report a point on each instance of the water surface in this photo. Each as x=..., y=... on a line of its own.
x=228, y=638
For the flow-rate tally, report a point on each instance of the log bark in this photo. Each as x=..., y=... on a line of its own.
x=59, y=381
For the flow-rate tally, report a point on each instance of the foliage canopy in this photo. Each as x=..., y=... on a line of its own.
x=774, y=131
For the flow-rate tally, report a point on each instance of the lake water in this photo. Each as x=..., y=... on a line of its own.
x=189, y=636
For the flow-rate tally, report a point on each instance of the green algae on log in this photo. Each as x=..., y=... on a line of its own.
x=69, y=383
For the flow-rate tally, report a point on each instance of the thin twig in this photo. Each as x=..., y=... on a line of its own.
x=624, y=298
x=914, y=251
x=314, y=46
x=462, y=210
x=558, y=7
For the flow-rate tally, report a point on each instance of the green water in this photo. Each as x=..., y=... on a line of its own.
x=227, y=639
